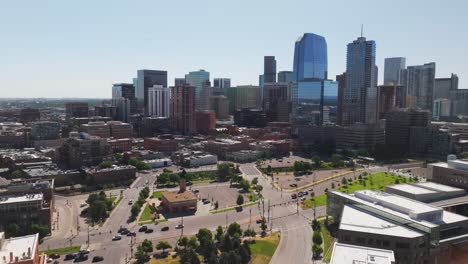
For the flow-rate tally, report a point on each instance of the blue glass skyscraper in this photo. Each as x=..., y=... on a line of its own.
x=311, y=90
x=310, y=58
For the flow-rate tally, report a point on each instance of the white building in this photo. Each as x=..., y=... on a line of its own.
x=351, y=254
x=159, y=163
x=159, y=101
x=200, y=160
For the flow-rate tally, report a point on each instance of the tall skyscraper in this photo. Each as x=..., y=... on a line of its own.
x=360, y=91
x=341, y=80
x=245, y=96
x=196, y=80
x=183, y=109
x=179, y=81
x=269, y=69
x=145, y=80
x=277, y=101
x=419, y=82
x=159, y=101
x=127, y=91
x=222, y=83
x=285, y=76
x=443, y=86
x=393, y=67
x=311, y=90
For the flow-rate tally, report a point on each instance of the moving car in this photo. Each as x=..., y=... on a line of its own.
x=165, y=228
x=130, y=202
x=116, y=237
x=294, y=196
x=70, y=256
x=97, y=259
x=143, y=229
x=84, y=251
x=179, y=226
x=292, y=185
x=131, y=234
x=149, y=230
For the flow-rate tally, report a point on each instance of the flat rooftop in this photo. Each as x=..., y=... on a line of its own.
x=438, y=187
x=409, y=188
x=21, y=198
x=351, y=254
x=354, y=219
x=18, y=246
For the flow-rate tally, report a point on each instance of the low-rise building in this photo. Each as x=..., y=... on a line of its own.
x=199, y=159
x=351, y=254
x=52, y=172
x=454, y=172
x=81, y=149
x=166, y=145
x=21, y=250
x=244, y=156
x=120, y=144
x=179, y=201
x=159, y=163
x=222, y=146
x=45, y=130
x=98, y=129
x=114, y=174
x=119, y=129
x=361, y=135
x=16, y=159
x=425, y=191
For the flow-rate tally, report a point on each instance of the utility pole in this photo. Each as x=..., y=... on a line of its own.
x=250, y=216
x=182, y=229
x=268, y=211
x=226, y=220
x=88, y=236
x=297, y=202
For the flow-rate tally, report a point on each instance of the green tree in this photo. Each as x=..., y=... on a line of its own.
x=98, y=210
x=163, y=245
x=244, y=185
x=141, y=256
x=219, y=234
x=316, y=251
x=105, y=164
x=464, y=155
x=147, y=246
x=234, y=229
x=216, y=205
x=344, y=181
x=16, y=174
x=174, y=178
x=259, y=188
x=263, y=226
x=41, y=229
x=13, y=230
x=337, y=160
x=183, y=241
x=188, y=256
x=224, y=170
x=317, y=160
x=255, y=180
x=240, y=200
x=317, y=237
x=163, y=178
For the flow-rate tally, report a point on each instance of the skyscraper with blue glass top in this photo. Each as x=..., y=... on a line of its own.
x=311, y=89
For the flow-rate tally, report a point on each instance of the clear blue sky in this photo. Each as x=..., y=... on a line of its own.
x=79, y=48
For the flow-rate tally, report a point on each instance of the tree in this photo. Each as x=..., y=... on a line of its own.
x=13, y=230
x=219, y=234
x=259, y=188
x=316, y=251
x=141, y=256
x=233, y=229
x=16, y=174
x=317, y=160
x=344, y=181
x=41, y=229
x=204, y=236
x=174, y=178
x=244, y=185
x=189, y=256
x=183, y=241
x=98, y=210
x=464, y=154
x=240, y=200
x=317, y=237
x=147, y=246
x=216, y=205
x=105, y=164
x=255, y=180
x=224, y=171
x=163, y=245
x=263, y=225
x=337, y=160
x=193, y=242
x=333, y=185
x=163, y=178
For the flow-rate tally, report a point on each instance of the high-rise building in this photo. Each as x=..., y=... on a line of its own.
x=183, y=109
x=202, y=103
x=360, y=92
x=196, y=80
x=159, y=101
x=246, y=96
x=222, y=83
x=76, y=109
x=45, y=130
x=277, y=101
x=127, y=91
x=145, y=80
x=269, y=69
x=386, y=98
x=123, y=108
x=459, y=100
x=179, y=81
x=419, y=82
x=441, y=108
x=285, y=76
x=220, y=105
x=311, y=89
x=393, y=67
x=341, y=81
x=443, y=86
x=206, y=121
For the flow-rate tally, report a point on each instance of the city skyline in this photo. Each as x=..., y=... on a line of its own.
x=88, y=56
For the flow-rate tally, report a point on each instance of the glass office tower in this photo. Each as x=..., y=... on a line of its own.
x=196, y=79
x=311, y=90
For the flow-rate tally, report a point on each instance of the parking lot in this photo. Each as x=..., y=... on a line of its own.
x=283, y=162
x=221, y=192
x=287, y=179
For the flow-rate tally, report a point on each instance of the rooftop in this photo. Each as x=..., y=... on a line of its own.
x=177, y=196
x=409, y=188
x=439, y=187
x=350, y=254
x=21, y=198
x=354, y=219
x=19, y=246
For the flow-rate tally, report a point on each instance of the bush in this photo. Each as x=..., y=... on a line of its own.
x=317, y=237
x=316, y=251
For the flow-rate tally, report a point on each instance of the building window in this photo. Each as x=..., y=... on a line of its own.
x=402, y=245
x=386, y=243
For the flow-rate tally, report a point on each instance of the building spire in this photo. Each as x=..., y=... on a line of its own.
x=362, y=29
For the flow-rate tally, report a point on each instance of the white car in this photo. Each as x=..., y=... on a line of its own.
x=179, y=226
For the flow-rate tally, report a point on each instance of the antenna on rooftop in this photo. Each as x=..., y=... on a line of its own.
x=362, y=29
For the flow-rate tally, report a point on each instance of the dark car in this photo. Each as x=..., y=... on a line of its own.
x=81, y=257
x=69, y=256
x=97, y=258
x=131, y=234
x=293, y=185
x=124, y=232
x=143, y=229
x=165, y=228
x=115, y=238
x=259, y=221
x=54, y=256
x=149, y=231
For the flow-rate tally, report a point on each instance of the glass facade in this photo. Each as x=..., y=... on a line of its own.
x=310, y=58
x=309, y=97
x=196, y=79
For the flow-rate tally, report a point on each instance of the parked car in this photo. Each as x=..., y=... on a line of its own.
x=149, y=230
x=179, y=226
x=294, y=196
x=164, y=228
x=292, y=185
x=259, y=221
x=305, y=192
x=81, y=257
x=97, y=259
x=303, y=199
x=84, y=251
x=54, y=256
x=116, y=237
x=130, y=202
x=131, y=234
x=70, y=256
x=196, y=191
x=143, y=229
x=124, y=232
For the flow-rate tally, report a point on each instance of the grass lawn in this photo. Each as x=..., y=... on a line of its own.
x=168, y=260
x=327, y=238
x=146, y=215
x=264, y=248
x=157, y=194
x=61, y=251
x=376, y=181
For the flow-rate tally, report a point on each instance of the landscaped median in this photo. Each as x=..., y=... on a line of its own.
x=61, y=251
x=146, y=216
x=222, y=210
x=264, y=248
